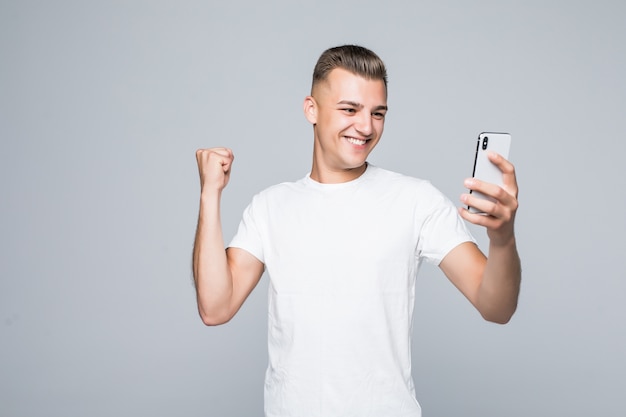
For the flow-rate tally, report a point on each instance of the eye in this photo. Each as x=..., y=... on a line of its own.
x=349, y=110
x=378, y=115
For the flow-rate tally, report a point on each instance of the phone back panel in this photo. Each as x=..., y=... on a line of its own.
x=484, y=170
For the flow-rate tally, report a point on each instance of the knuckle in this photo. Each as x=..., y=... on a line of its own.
x=501, y=194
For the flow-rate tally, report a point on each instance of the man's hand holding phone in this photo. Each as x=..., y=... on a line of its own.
x=492, y=200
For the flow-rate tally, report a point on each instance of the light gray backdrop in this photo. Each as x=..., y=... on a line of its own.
x=103, y=104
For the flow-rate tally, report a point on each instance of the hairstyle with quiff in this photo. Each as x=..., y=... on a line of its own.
x=353, y=58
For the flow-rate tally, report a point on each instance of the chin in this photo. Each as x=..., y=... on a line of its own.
x=355, y=165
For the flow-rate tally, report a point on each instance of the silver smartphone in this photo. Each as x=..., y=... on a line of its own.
x=484, y=170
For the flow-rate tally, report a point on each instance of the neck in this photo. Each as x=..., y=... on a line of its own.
x=331, y=176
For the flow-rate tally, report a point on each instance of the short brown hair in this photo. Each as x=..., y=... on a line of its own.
x=353, y=58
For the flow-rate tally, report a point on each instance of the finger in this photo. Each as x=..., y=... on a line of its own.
x=485, y=207
x=499, y=204
x=487, y=188
x=509, y=179
x=214, y=163
x=475, y=218
x=226, y=158
x=224, y=155
x=225, y=152
x=500, y=199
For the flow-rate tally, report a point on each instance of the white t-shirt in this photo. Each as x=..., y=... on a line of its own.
x=342, y=261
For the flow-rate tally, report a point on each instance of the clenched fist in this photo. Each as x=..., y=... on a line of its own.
x=214, y=167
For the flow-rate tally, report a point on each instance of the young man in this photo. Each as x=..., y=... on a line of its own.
x=342, y=247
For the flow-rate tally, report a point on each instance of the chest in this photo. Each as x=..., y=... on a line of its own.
x=341, y=243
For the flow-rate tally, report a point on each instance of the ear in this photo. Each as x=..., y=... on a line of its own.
x=310, y=109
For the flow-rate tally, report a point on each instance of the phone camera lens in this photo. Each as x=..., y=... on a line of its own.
x=485, y=142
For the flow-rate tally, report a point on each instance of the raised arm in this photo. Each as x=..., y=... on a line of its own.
x=491, y=283
x=223, y=278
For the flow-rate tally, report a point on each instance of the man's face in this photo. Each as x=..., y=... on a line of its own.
x=348, y=112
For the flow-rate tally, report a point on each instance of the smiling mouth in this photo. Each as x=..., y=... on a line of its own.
x=359, y=142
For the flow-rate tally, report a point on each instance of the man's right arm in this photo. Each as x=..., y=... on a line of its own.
x=223, y=278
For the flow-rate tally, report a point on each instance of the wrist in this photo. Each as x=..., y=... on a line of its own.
x=503, y=243
x=209, y=195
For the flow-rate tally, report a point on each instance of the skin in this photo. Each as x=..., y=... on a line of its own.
x=344, y=111
x=223, y=278
x=347, y=112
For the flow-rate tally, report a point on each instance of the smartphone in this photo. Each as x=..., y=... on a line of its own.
x=484, y=170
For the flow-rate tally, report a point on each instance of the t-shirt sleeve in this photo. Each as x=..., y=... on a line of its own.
x=442, y=230
x=248, y=236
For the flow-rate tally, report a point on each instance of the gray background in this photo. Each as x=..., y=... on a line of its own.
x=102, y=105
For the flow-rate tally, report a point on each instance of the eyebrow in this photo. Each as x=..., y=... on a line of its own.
x=360, y=106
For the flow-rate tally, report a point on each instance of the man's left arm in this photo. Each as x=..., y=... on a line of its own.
x=490, y=283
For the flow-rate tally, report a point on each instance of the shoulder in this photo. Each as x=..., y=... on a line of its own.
x=278, y=192
x=404, y=189
x=396, y=180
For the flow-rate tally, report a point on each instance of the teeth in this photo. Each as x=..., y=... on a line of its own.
x=356, y=141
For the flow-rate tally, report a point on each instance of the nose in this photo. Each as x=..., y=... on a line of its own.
x=364, y=124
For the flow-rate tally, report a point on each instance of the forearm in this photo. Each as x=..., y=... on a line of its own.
x=212, y=276
x=499, y=289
